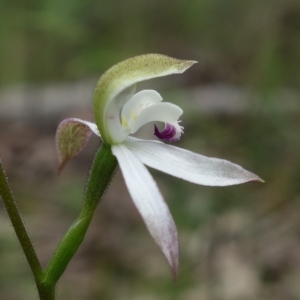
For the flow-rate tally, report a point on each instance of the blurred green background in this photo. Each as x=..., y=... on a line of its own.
x=236, y=243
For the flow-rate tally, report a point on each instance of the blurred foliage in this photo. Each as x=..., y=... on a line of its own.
x=245, y=42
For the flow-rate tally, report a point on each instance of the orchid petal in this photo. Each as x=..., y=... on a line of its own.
x=116, y=106
x=137, y=103
x=188, y=165
x=122, y=76
x=163, y=112
x=71, y=137
x=150, y=204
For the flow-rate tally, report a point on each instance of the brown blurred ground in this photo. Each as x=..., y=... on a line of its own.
x=239, y=242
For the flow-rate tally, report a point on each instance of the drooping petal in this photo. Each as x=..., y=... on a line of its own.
x=162, y=112
x=188, y=165
x=71, y=137
x=150, y=204
x=136, y=104
x=122, y=76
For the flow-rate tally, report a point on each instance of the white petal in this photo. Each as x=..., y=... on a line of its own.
x=162, y=112
x=113, y=114
x=150, y=203
x=188, y=165
x=113, y=123
x=139, y=101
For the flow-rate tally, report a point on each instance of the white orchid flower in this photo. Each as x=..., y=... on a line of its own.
x=119, y=112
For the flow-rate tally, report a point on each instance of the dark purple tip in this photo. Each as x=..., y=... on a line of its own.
x=168, y=133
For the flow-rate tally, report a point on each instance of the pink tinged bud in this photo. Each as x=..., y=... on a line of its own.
x=71, y=137
x=170, y=133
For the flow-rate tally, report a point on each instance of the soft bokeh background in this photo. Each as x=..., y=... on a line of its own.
x=241, y=103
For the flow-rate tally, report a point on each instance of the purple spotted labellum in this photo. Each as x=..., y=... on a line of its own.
x=170, y=133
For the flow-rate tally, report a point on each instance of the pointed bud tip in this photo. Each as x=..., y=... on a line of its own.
x=71, y=137
x=259, y=180
x=186, y=65
x=255, y=178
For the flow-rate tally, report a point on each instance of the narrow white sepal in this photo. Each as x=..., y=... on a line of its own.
x=150, y=203
x=188, y=165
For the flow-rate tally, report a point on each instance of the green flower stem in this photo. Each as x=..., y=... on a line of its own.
x=46, y=292
x=18, y=225
x=101, y=173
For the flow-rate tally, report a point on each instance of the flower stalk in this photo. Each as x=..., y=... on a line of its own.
x=102, y=170
x=18, y=225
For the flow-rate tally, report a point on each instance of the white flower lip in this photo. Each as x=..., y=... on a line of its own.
x=147, y=106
